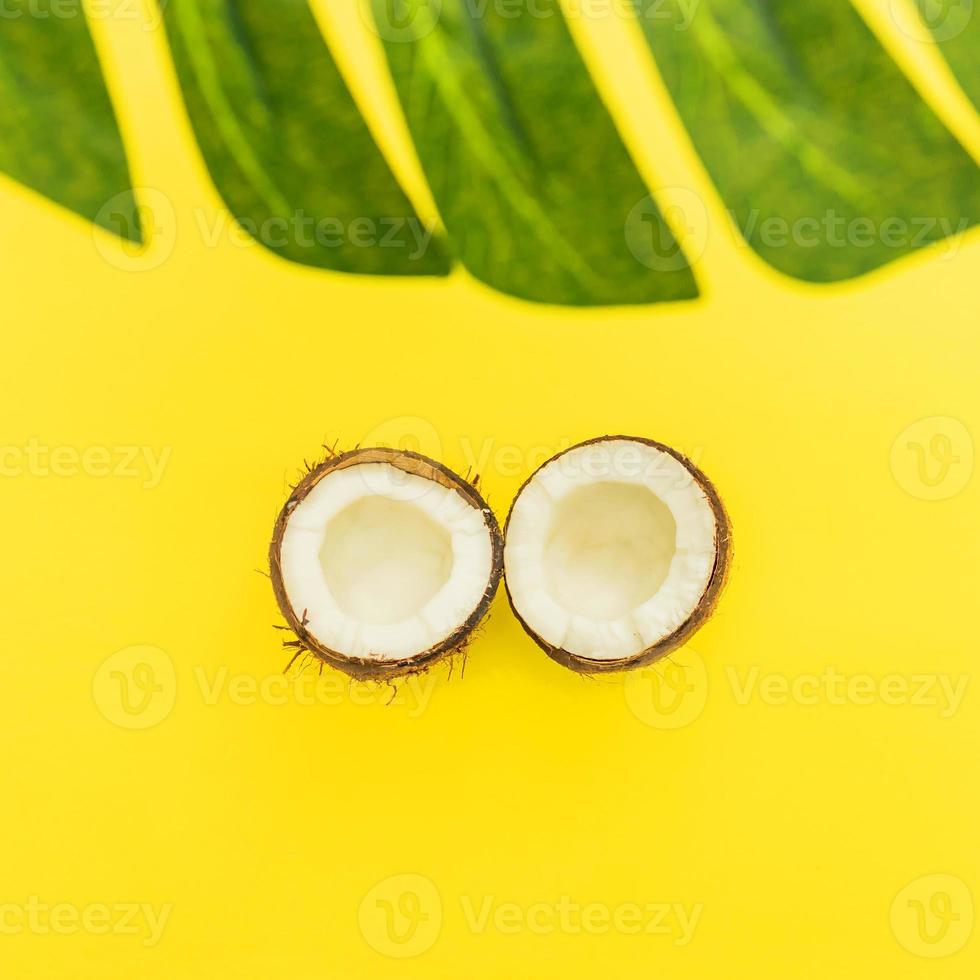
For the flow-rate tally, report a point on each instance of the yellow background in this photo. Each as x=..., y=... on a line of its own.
x=272, y=829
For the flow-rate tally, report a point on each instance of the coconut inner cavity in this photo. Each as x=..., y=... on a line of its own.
x=609, y=549
x=383, y=559
x=384, y=564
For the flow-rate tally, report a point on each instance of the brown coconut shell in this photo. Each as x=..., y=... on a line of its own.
x=417, y=465
x=709, y=598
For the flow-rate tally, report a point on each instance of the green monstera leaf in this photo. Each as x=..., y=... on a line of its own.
x=955, y=27
x=530, y=176
x=285, y=144
x=58, y=132
x=829, y=161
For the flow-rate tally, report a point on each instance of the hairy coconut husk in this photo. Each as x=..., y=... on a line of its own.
x=706, y=605
x=364, y=668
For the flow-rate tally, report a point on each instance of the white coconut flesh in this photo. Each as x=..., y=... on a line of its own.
x=610, y=548
x=384, y=564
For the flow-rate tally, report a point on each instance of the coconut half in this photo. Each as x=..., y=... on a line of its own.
x=615, y=553
x=384, y=561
